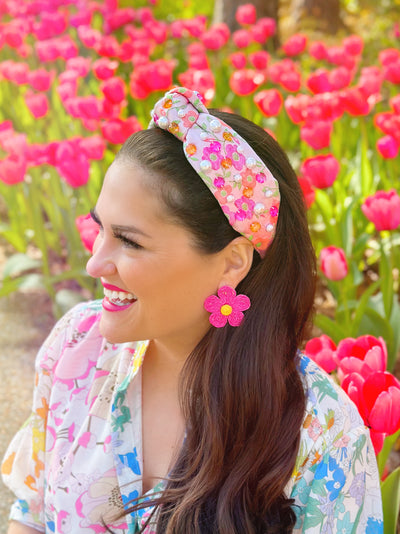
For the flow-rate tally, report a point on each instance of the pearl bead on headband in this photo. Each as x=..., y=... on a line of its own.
x=244, y=187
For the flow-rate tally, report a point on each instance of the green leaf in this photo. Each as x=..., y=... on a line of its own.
x=362, y=305
x=386, y=275
x=18, y=264
x=391, y=501
x=329, y=327
x=388, y=445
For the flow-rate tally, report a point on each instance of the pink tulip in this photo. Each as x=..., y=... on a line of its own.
x=84, y=107
x=82, y=18
x=383, y=209
x=242, y=38
x=296, y=107
x=37, y=104
x=291, y=81
x=322, y=350
x=389, y=55
x=154, y=76
x=370, y=81
x=340, y=78
x=355, y=102
x=353, y=45
x=41, y=79
x=308, y=191
x=269, y=102
x=90, y=37
x=259, y=60
x=322, y=171
x=104, y=68
x=333, y=263
x=118, y=18
x=377, y=398
x=263, y=29
x=388, y=147
x=317, y=133
x=238, y=60
x=15, y=72
x=72, y=163
x=88, y=230
x=117, y=131
x=114, y=89
x=202, y=81
x=364, y=355
x=80, y=65
x=395, y=103
x=245, y=81
x=216, y=37
x=318, y=81
x=246, y=14
x=318, y=50
x=295, y=45
x=13, y=169
x=391, y=72
x=93, y=147
x=325, y=106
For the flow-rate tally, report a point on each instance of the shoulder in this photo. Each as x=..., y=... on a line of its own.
x=331, y=419
x=78, y=327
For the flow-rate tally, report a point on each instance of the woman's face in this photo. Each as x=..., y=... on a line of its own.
x=155, y=280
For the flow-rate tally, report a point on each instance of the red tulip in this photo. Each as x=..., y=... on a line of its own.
x=388, y=147
x=245, y=81
x=333, y=263
x=322, y=350
x=242, y=38
x=377, y=398
x=295, y=45
x=104, y=68
x=317, y=133
x=117, y=131
x=37, y=104
x=308, y=191
x=364, y=355
x=322, y=171
x=13, y=169
x=263, y=29
x=246, y=14
x=383, y=209
x=88, y=230
x=269, y=102
x=318, y=81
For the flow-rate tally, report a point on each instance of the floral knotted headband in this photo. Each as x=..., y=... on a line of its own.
x=244, y=187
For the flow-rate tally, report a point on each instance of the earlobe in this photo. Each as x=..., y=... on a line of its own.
x=238, y=260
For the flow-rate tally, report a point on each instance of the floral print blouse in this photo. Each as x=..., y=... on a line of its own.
x=77, y=460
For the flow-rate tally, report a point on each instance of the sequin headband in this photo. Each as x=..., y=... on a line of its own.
x=244, y=187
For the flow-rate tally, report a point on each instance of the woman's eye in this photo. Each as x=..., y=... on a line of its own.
x=127, y=242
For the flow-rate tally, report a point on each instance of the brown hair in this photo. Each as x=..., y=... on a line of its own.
x=241, y=394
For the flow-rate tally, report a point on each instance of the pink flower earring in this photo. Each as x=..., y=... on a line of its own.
x=227, y=307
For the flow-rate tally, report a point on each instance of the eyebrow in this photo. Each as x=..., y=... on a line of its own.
x=118, y=227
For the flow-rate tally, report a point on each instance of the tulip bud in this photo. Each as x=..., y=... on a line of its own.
x=333, y=263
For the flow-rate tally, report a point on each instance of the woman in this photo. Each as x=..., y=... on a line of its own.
x=215, y=423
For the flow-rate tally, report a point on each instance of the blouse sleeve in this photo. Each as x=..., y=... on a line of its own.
x=342, y=492
x=23, y=464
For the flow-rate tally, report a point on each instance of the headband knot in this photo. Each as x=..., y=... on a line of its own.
x=237, y=177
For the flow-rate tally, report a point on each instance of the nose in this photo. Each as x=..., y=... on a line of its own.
x=101, y=263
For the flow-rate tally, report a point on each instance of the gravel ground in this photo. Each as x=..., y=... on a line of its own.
x=25, y=321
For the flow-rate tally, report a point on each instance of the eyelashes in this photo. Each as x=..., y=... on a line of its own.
x=129, y=243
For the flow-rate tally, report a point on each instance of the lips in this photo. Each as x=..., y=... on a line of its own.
x=116, y=299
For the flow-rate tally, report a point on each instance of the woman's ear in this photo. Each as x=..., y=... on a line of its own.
x=238, y=258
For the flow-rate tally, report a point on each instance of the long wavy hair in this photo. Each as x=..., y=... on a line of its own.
x=240, y=391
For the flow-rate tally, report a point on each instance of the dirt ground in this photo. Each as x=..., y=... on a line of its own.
x=25, y=320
